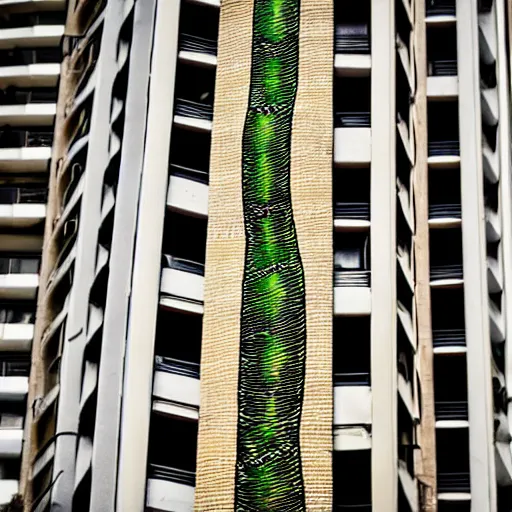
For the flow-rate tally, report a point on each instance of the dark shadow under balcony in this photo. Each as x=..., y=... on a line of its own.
x=452, y=447
x=25, y=56
x=440, y=7
x=28, y=138
x=22, y=96
x=446, y=257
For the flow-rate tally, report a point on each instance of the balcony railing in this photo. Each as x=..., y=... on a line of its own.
x=182, y=264
x=19, y=266
x=352, y=379
x=25, y=138
x=442, y=210
x=451, y=410
x=366, y=507
x=188, y=108
x=446, y=67
x=355, y=211
x=453, y=482
x=352, y=119
x=14, y=367
x=440, y=7
x=179, y=476
x=352, y=39
x=11, y=421
x=15, y=96
x=176, y=366
x=448, y=271
x=443, y=148
x=191, y=43
x=20, y=20
x=352, y=278
x=449, y=337
x=190, y=174
x=13, y=314
x=12, y=195
x=24, y=57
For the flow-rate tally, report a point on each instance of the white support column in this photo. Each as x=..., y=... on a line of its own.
x=480, y=400
x=383, y=259
x=138, y=376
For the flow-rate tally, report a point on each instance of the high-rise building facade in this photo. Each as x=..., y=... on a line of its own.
x=30, y=57
x=276, y=259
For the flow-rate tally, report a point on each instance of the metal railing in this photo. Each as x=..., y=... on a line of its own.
x=352, y=39
x=443, y=148
x=179, y=476
x=451, y=410
x=190, y=174
x=441, y=210
x=195, y=109
x=352, y=278
x=10, y=314
x=15, y=195
x=440, y=7
x=177, y=366
x=449, y=337
x=453, y=482
x=19, y=265
x=15, y=366
x=356, y=211
x=25, y=138
x=352, y=119
x=182, y=264
x=448, y=271
x=191, y=43
x=442, y=67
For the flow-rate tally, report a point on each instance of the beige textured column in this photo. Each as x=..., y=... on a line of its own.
x=426, y=458
x=311, y=186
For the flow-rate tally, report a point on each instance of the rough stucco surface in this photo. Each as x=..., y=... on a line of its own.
x=311, y=187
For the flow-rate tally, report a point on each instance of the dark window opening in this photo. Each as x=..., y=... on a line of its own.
x=195, y=87
x=190, y=149
x=351, y=340
x=30, y=137
x=406, y=439
x=26, y=56
x=352, y=27
x=17, y=96
x=352, y=194
x=352, y=98
x=443, y=129
x=14, y=364
x=448, y=324
x=452, y=447
x=444, y=195
x=445, y=254
x=450, y=387
x=353, y=488
x=440, y=7
x=442, y=51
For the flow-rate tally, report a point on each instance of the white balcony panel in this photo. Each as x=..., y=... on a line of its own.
x=30, y=114
x=21, y=215
x=352, y=65
x=43, y=460
x=352, y=405
x=496, y=324
x=176, y=388
x=454, y=496
x=7, y=487
x=494, y=275
x=450, y=350
x=490, y=106
x=352, y=146
x=409, y=486
x=169, y=496
x=25, y=159
x=188, y=196
x=447, y=283
x=10, y=442
x=198, y=58
x=440, y=20
x=442, y=88
x=492, y=225
x=445, y=223
x=443, y=162
x=403, y=134
x=183, y=290
x=351, y=439
x=490, y=163
x=405, y=320
x=503, y=463
x=352, y=301
x=16, y=337
x=176, y=410
x=30, y=75
x=351, y=225
x=452, y=424
x=18, y=286
x=192, y=123
x=210, y=3
x=13, y=388
x=31, y=37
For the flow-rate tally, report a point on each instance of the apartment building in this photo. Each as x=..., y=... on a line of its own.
x=30, y=56
x=150, y=371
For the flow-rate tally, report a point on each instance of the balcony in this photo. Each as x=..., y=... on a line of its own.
x=352, y=122
x=171, y=468
x=190, y=149
x=30, y=67
x=27, y=107
x=452, y=446
x=196, y=50
x=19, y=278
x=22, y=207
x=177, y=382
x=448, y=325
x=352, y=200
x=32, y=30
x=26, y=150
x=353, y=488
x=352, y=405
x=443, y=135
x=444, y=200
x=16, y=327
x=182, y=285
x=440, y=12
x=352, y=49
x=188, y=191
x=442, y=83
x=446, y=258
x=352, y=294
